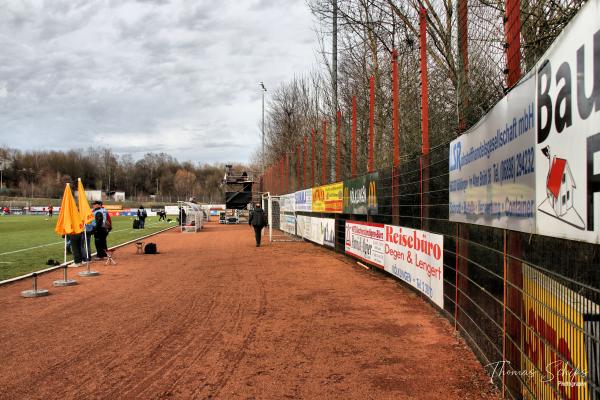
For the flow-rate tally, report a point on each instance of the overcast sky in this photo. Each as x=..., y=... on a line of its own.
x=175, y=76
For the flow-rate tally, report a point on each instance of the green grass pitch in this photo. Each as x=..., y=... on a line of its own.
x=28, y=242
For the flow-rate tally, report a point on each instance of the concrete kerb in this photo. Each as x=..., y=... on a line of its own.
x=63, y=265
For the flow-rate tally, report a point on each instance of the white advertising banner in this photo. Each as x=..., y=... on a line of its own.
x=172, y=210
x=366, y=241
x=416, y=257
x=314, y=233
x=328, y=231
x=492, y=180
x=317, y=230
x=304, y=200
x=568, y=131
x=302, y=226
x=287, y=203
x=287, y=223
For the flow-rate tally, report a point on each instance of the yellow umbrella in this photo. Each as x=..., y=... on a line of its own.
x=69, y=221
x=84, y=207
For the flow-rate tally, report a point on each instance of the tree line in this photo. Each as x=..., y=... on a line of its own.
x=464, y=81
x=45, y=173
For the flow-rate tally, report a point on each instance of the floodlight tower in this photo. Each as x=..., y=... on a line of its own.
x=264, y=89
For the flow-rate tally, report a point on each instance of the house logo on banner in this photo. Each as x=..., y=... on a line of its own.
x=568, y=137
x=560, y=187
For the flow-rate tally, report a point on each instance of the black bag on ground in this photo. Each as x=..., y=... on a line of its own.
x=150, y=248
x=136, y=224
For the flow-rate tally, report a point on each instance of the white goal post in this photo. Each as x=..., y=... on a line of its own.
x=281, y=218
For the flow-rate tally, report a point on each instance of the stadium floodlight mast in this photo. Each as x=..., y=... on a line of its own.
x=264, y=89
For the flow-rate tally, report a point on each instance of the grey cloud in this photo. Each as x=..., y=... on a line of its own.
x=179, y=76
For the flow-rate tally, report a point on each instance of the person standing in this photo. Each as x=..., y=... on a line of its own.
x=50, y=211
x=101, y=226
x=182, y=216
x=258, y=221
x=76, y=240
x=89, y=231
x=142, y=214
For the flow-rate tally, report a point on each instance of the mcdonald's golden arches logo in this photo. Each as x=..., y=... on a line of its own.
x=346, y=197
x=372, y=196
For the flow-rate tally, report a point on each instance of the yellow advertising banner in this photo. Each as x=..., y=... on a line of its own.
x=328, y=198
x=555, y=352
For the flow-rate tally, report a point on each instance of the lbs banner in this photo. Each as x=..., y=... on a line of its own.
x=416, y=257
x=492, y=179
x=328, y=198
x=360, y=195
x=365, y=241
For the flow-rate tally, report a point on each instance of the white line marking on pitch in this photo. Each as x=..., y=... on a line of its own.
x=61, y=242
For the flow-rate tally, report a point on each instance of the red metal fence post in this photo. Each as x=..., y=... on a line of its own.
x=512, y=31
x=371, y=164
x=424, y=83
x=395, y=130
x=395, y=108
x=298, y=154
x=338, y=159
x=324, y=161
x=290, y=175
x=304, y=183
x=424, y=118
x=353, y=144
x=312, y=170
x=280, y=186
x=463, y=60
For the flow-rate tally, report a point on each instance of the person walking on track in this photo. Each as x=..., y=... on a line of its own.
x=258, y=220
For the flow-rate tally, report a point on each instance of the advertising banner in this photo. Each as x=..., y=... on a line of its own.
x=557, y=318
x=287, y=223
x=328, y=198
x=328, y=231
x=366, y=241
x=287, y=203
x=568, y=131
x=43, y=210
x=492, y=180
x=317, y=230
x=172, y=210
x=360, y=195
x=315, y=233
x=304, y=200
x=302, y=226
x=416, y=257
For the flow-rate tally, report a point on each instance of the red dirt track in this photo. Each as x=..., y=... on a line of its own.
x=212, y=316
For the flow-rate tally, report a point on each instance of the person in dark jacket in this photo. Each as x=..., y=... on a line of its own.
x=258, y=220
x=142, y=215
x=182, y=216
x=101, y=226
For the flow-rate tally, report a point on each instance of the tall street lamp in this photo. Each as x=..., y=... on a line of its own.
x=264, y=89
